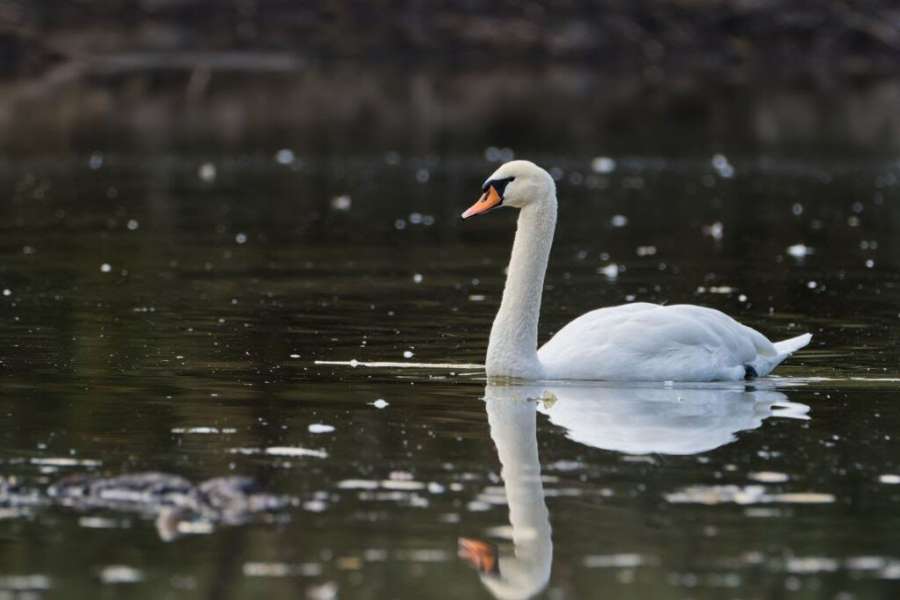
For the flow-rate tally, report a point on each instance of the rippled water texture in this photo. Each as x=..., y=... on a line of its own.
x=197, y=315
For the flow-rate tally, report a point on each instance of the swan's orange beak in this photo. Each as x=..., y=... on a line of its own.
x=481, y=555
x=489, y=199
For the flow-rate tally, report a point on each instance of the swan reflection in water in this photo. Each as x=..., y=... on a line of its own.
x=633, y=420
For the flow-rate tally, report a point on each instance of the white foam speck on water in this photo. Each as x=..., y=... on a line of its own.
x=320, y=428
x=618, y=221
x=240, y=238
x=291, y=451
x=295, y=356
x=120, y=574
x=380, y=403
x=408, y=354
x=65, y=461
x=611, y=271
x=207, y=172
x=889, y=479
x=7, y=292
x=799, y=250
x=342, y=203
x=476, y=298
x=603, y=165
x=615, y=561
x=810, y=564
x=277, y=569
x=285, y=156
x=203, y=430
x=132, y=224
x=768, y=477
x=358, y=484
x=398, y=365
x=100, y=523
x=417, y=278
x=105, y=268
x=751, y=494
x=24, y=582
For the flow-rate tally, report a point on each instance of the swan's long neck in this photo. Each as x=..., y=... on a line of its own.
x=512, y=349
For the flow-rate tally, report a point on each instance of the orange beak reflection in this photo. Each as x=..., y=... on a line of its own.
x=490, y=199
x=481, y=555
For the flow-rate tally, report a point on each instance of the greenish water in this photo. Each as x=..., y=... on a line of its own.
x=166, y=313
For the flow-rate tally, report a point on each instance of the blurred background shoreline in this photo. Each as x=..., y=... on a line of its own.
x=346, y=78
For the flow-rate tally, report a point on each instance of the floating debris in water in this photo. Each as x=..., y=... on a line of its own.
x=603, y=165
x=380, y=403
x=320, y=428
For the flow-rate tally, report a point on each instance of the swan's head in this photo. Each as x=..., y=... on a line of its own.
x=517, y=183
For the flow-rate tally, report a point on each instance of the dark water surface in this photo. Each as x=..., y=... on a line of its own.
x=165, y=313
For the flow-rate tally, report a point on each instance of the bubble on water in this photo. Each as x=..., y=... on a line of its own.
x=812, y=285
x=797, y=209
x=408, y=354
x=7, y=292
x=400, y=224
x=285, y=156
x=353, y=362
x=207, y=172
x=645, y=250
x=742, y=298
x=342, y=202
x=132, y=224
x=95, y=161
x=295, y=356
x=853, y=221
x=618, y=221
x=241, y=238
x=870, y=263
x=603, y=164
x=105, y=268
x=28, y=250
x=417, y=278
x=320, y=428
x=423, y=175
x=380, y=403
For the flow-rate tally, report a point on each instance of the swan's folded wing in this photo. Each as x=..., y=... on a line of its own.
x=656, y=342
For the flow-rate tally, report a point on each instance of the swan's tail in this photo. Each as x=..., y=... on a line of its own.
x=783, y=349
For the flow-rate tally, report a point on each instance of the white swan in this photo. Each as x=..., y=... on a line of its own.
x=632, y=342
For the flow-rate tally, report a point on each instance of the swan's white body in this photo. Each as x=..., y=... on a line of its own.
x=632, y=342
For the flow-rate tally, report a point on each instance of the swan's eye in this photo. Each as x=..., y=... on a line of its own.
x=497, y=184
